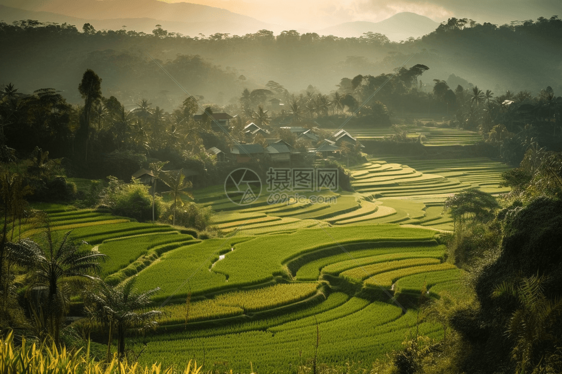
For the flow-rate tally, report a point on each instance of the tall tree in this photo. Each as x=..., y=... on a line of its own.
x=117, y=309
x=477, y=96
x=155, y=169
x=468, y=205
x=12, y=207
x=261, y=117
x=90, y=89
x=532, y=323
x=178, y=183
x=59, y=265
x=337, y=102
x=296, y=110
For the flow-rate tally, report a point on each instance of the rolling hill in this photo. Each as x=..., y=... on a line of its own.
x=401, y=26
x=138, y=15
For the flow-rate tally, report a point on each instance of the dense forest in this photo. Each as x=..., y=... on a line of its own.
x=101, y=137
x=135, y=65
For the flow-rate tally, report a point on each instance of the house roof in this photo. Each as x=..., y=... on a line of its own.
x=327, y=147
x=339, y=133
x=260, y=130
x=327, y=141
x=278, y=148
x=272, y=140
x=186, y=172
x=145, y=172
x=247, y=149
x=295, y=129
x=251, y=126
x=214, y=150
x=216, y=116
x=344, y=136
x=309, y=134
x=281, y=141
x=142, y=173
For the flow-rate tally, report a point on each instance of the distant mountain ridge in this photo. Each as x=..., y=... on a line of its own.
x=190, y=19
x=400, y=26
x=138, y=15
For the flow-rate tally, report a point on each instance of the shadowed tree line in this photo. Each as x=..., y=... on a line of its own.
x=220, y=65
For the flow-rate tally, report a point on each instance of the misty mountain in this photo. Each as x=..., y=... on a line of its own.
x=138, y=15
x=401, y=26
x=499, y=58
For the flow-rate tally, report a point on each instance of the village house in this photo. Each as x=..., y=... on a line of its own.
x=327, y=147
x=297, y=130
x=247, y=152
x=309, y=135
x=220, y=121
x=279, y=152
x=343, y=136
x=220, y=155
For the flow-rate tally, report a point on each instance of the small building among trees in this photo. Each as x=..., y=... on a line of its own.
x=220, y=122
x=247, y=152
x=220, y=155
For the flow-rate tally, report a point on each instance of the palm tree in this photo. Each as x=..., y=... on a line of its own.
x=296, y=110
x=310, y=107
x=337, y=102
x=477, y=96
x=158, y=126
x=531, y=325
x=488, y=96
x=261, y=117
x=13, y=207
x=155, y=169
x=322, y=104
x=143, y=110
x=9, y=91
x=192, y=142
x=115, y=308
x=178, y=183
x=57, y=266
x=100, y=112
x=121, y=126
x=471, y=204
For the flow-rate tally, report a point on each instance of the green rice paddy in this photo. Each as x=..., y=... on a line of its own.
x=278, y=274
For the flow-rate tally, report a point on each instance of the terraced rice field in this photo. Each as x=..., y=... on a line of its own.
x=386, y=190
x=247, y=325
x=431, y=136
x=351, y=269
x=252, y=294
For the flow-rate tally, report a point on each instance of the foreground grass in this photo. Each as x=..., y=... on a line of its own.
x=45, y=358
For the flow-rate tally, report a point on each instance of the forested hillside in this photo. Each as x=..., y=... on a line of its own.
x=522, y=56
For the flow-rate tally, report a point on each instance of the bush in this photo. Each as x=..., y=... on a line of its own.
x=204, y=235
x=189, y=215
x=193, y=233
x=90, y=199
x=130, y=200
x=57, y=189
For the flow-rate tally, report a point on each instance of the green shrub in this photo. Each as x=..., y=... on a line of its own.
x=204, y=235
x=130, y=200
x=56, y=189
x=191, y=232
x=189, y=215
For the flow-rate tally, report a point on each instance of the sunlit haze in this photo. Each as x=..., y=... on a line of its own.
x=315, y=14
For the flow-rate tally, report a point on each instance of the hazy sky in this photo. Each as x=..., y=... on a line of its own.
x=314, y=14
